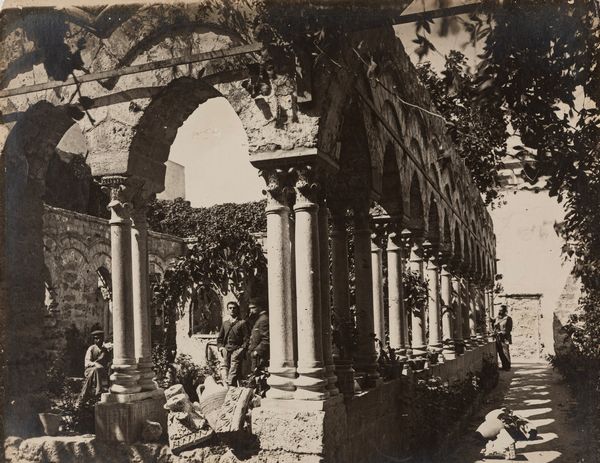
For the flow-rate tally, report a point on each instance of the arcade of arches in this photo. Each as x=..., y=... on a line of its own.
x=332, y=143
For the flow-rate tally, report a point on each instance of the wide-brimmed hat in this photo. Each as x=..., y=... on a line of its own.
x=97, y=333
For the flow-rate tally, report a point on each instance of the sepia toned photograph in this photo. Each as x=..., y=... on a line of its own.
x=300, y=231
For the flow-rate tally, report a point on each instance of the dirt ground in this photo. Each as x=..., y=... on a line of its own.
x=536, y=392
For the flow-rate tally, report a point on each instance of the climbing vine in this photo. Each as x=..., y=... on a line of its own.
x=224, y=257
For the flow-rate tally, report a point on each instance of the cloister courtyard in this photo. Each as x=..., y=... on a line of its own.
x=369, y=240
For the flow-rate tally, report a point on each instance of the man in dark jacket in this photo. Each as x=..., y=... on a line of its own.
x=258, y=345
x=232, y=343
x=503, y=332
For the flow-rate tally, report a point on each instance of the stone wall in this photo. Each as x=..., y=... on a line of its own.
x=76, y=246
x=365, y=428
x=526, y=312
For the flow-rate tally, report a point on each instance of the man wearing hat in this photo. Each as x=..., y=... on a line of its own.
x=97, y=363
x=502, y=331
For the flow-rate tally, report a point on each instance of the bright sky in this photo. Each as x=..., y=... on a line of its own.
x=213, y=148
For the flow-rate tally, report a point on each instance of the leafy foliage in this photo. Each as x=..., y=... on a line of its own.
x=477, y=130
x=540, y=69
x=427, y=427
x=415, y=291
x=225, y=256
x=179, y=218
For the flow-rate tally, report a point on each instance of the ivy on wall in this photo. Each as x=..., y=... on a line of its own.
x=225, y=256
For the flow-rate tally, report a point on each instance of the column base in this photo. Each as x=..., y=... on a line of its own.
x=146, y=372
x=331, y=380
x=418, y=351
x=345, y=377
x=122, y=419
x=311, y=384
x=281, y=382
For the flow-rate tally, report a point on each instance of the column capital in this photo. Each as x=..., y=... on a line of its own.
x=430, y=250
x=277, y=189
x=140, y=201
x=120, y=191
x=306, y=186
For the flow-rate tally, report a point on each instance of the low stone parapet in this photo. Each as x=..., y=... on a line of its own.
x=370, y=426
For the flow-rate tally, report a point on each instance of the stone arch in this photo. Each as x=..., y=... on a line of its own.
x=25, y=153
x=415, y=149
x=391, y=194
x=457, y=249
x=434, y=230
x=417, y=215
x=355, y=163
x=436, y=176
x=447, y=236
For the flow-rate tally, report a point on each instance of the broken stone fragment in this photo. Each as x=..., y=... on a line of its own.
x=232, y=414
x=151, y=431
x=186, y=427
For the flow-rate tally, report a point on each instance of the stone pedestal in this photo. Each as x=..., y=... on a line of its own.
x=301, y=430
x=121, y=417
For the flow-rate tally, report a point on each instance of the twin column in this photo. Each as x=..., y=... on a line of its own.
x=315, y=378
x=132, y=363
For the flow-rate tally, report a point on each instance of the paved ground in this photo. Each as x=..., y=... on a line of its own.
x=536, y=392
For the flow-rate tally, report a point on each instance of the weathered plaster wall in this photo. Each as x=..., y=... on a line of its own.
x=526, y=312
x=530, y=260
x=174, y=182
x=75, y=246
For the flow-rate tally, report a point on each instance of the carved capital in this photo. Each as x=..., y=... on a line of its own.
x=430, y=251
x=379, y=234
x=277, y=189
x=140, y=201
x=120, y=192
x=306, y=186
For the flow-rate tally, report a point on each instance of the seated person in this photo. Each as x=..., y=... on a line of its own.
x=97, y=365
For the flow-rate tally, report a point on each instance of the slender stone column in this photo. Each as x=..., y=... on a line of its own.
x=458, y=321
x=405, y=244
x=377, y=282
x=311, y=383
x=125, y=377
x=466, y=312
x=472, y=304
x=365, y=357
x=449, y=351
x=418, y=346
x=325, y=297
x=489, y=293
x=282, y=371
x=432, y=275
x=397, y=319
x=480, y=315
x=341, y=300
x=141, y=309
